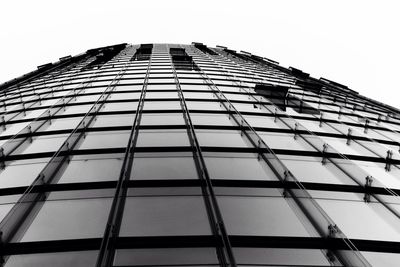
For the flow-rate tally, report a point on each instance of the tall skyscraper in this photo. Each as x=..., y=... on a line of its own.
x=186, y=155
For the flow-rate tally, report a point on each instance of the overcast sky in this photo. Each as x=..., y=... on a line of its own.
x=356, y=43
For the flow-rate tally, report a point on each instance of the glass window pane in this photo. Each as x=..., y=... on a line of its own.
x=267, y=122
x=221, y=138
x=4, y=209
x=77, y=109
x=123, y=96
x=149, y=138
x=61, y=124
x=199, y=95
x=243, y=168
x=162, y=119
x=286, y=141
x=21, y=172
x=280, y=257
x=260, y=216
x=13, y=128
x=163, y=105
x=211, y=119
x=60, y=259
x=150, y=95
x=113, y=120
x=358, y=219
x=46, y=143
x=196, y=105
x=309, y=169
x=69, y=219
x=91, y=169
x=107, y=139
x=163, y=167
x=164, y=216
x=378, y=259
x=131, y=106
x=166, y=256
x=341, y=146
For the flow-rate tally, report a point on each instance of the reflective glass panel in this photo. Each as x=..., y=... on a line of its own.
x=148, y=138
x=107, y=139
x=165, y=216
x=260, y=216
x=166, y=256
x=59, y=259
x=90, y=168
x=69, y=219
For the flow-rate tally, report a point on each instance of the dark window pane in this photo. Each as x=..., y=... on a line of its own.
x=69, y=219
x=172, y=215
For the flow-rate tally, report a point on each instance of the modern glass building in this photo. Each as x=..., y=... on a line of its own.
x=186, y=155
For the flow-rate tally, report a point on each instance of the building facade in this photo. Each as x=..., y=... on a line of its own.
x=186, y=155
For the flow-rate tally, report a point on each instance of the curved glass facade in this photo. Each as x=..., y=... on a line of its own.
x=185, y=155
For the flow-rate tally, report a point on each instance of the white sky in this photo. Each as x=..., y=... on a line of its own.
x=356, y=43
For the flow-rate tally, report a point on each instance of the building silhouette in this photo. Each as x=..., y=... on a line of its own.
x=186, y=155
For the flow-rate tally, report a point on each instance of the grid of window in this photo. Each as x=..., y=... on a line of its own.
x=185, y=155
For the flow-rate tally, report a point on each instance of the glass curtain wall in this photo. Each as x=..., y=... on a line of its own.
x=186, y=155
